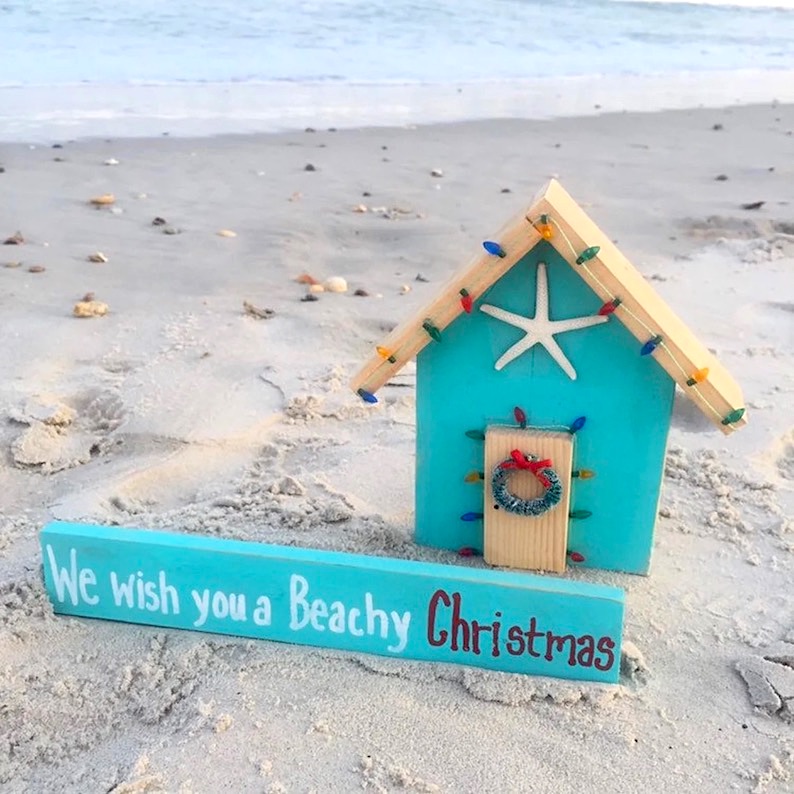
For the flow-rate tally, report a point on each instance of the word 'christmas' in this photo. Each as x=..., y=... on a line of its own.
x=446, y=626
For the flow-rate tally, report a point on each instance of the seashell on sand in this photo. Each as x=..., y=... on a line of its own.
x=227, y=233
x=97, y=256
x=105, y=200
x=336, y=284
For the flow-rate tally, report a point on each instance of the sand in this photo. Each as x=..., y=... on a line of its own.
x=179, y=408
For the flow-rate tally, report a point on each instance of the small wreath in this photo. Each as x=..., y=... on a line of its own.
x=547, y=477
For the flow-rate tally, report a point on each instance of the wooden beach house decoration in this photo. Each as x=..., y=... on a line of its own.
x=546, y=373
x=546, y=370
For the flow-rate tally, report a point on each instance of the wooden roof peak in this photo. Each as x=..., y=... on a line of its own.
x=555, y=216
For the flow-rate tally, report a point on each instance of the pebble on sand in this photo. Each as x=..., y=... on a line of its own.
x=36, y=269
x=14, y=239
x=158, y=221
x=12, y=264
x=336, y=284
x=90, y=308
x=437, y=172
x=361, y=208
x=226, y=233
x=255, y=311
x=753, y=205
x=309, y=167
x=306, y=278
x=103, y=201
x=111, y=161
x=97, y=256
x=316, y=288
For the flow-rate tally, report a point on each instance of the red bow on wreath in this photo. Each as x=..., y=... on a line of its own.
x=519, y=461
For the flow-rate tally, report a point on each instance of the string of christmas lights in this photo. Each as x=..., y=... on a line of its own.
x=432, y=330
x=546, y=226
x=655, y=340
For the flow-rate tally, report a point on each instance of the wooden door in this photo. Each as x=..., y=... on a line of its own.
x=518, y=541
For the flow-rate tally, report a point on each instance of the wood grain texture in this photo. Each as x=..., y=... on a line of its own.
x=528, y=542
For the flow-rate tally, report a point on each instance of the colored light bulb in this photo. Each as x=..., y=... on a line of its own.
x=576, y=556
x=384, y=353
x=584, y=474
x=494, y=249
x=466, y=301
x=698, y=376
x=579, y=514
x=609, y=307
x=432, y=330
x=477, y=435
x=471, y=517
x=577, y=424
x=733, y=416
x=520, y=416
x=544, y=227
x=650, y=345
x=368, y=397
x=474, y=476
x=588, y=254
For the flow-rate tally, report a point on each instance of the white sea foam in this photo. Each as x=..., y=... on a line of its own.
x=785, y=5
x=240, y=65
x=46, y=113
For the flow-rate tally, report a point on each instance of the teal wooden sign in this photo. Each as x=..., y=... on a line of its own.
x=516, y=622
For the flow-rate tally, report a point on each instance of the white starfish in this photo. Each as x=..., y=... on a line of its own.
x=540, y=330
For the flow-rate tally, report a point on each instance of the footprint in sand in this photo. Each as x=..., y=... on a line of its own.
x=785, y=456
x=716, y=226
x=773, y=321
x=770, y=679
x=62, y=433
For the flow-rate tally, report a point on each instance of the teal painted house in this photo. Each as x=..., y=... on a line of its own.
x=546, y=371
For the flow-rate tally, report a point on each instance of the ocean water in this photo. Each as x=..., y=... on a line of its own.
x=77, y=61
